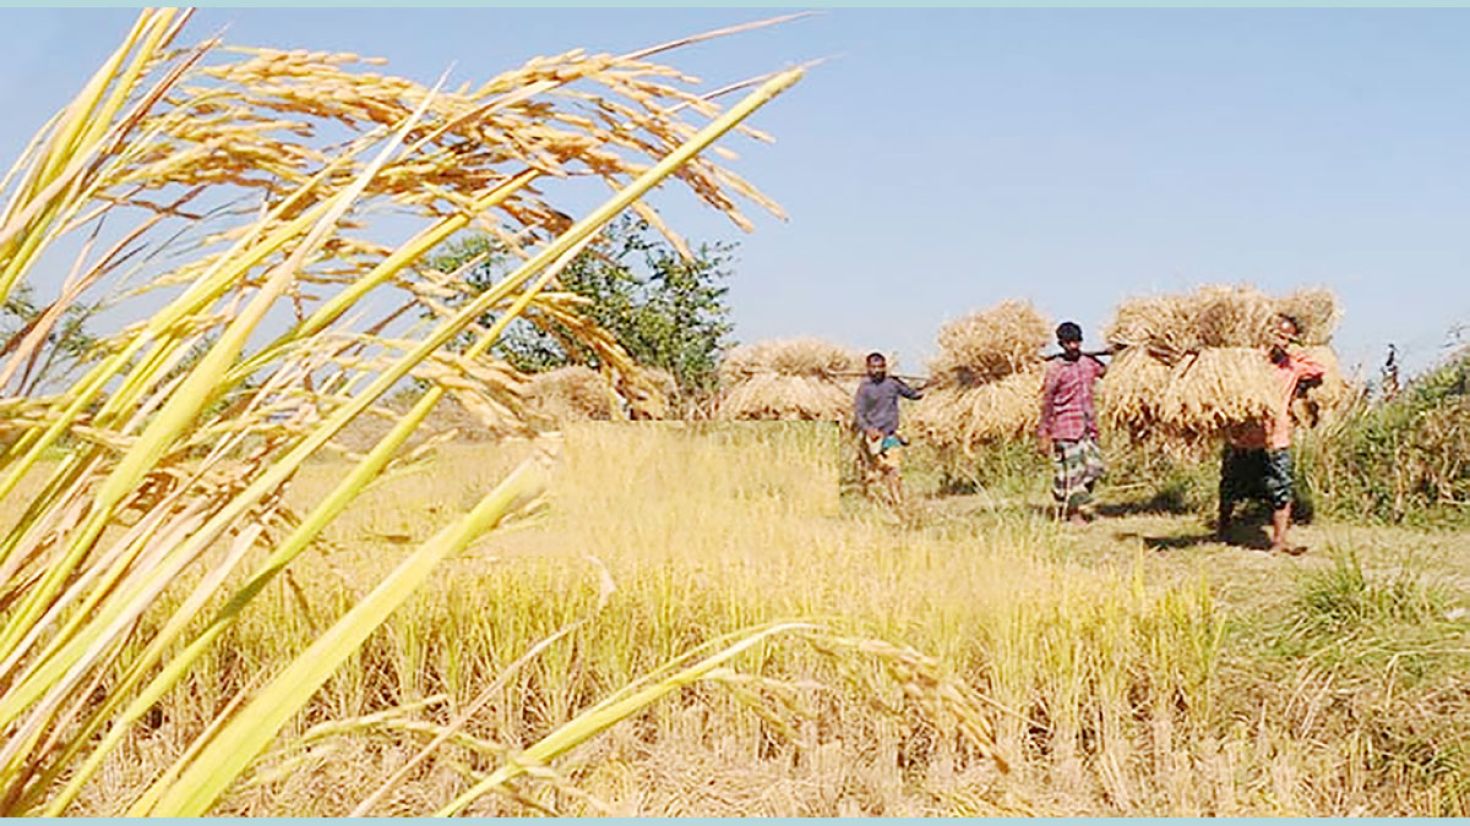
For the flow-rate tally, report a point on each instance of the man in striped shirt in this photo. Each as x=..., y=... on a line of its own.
x=1069, y=424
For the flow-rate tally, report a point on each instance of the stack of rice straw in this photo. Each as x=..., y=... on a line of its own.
x=574, y=393
x=985, y=385
x=802, y=379
x=1194, y=366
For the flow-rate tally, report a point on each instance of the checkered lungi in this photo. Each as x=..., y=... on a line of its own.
x=1076, y=466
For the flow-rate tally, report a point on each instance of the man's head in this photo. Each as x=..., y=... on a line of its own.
x=1284, y=332
x=877, y=366
x=1069, y=336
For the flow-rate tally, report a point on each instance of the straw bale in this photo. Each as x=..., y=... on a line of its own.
x=990, y=345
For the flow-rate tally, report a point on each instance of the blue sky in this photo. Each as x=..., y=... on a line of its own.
x=943, y=160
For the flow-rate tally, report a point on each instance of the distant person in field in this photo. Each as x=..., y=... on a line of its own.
x=1257, y=458
x=875, y=410
x=1068, y=430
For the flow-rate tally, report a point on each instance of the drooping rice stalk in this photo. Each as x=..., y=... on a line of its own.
x=259, y=338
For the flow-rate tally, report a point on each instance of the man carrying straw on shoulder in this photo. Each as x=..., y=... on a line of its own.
x=1257, y=459
x=875, y=409
x=1068, y=429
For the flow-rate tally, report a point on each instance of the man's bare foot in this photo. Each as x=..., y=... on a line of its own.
x=1077, y=519
x=1289, y=550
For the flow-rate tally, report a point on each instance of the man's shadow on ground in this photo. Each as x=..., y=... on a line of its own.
x=1250, y=535
x=1249, y=530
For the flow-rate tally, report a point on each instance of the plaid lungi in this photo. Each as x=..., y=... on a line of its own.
x=1076, y=466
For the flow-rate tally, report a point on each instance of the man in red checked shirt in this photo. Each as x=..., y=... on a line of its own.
x=1069, y=424
x=1257, y=460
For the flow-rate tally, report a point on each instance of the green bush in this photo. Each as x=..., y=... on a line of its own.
x=1406, y=460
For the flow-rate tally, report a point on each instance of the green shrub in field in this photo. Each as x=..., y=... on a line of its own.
x=1405, y=460
x=1342, y=598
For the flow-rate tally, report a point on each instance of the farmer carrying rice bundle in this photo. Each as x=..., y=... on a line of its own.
x=1068, y=430
x=1256, y=462
x=875, y=409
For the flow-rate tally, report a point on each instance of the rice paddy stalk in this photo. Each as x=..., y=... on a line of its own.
x=71, y=601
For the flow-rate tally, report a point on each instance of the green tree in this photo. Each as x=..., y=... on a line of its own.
x=68, y=342
x=668, y=312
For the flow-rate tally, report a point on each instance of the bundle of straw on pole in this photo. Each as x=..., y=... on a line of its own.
x=1172, y=326
x=802, y=379
x=1194, y=366
x=966, y=418
x=986, y=380
x=1131, y=399
x=1217, y=389
x=654, y=395
x=987, y=346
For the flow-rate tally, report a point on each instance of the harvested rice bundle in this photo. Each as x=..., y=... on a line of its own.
x=1331, y=398
x=770, y=396
x=1162, y=324
x=1171, y=326
x=1218, y=389
x=569, y=394
x=990, y=345
x=804, y=379
x=986, y=381
x=790, y=357
x=964, y=418
x=1209, y=393
x=652, y=394
x=1232, y=317
x=1130, y=398
x=1315, y=311
x=1193, y=365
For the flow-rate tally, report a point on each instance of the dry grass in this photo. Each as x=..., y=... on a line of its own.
x=1111, y=687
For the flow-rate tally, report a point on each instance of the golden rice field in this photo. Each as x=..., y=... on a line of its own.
x=237, y=576
x=1123, y=668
